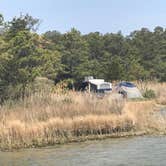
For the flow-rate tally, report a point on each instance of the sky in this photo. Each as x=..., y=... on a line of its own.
x=90, y=15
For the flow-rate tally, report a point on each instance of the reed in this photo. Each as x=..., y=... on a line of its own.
x=158, y=88
x=49, y=118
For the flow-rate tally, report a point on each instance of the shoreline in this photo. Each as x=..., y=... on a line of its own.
x=40, y=143
x=89, y=138
x=53, y=141
x=79, y=139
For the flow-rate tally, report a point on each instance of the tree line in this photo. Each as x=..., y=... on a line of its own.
x=25, y=55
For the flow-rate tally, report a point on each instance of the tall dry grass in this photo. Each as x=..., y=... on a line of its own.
x=158, y=88
x=49, y=118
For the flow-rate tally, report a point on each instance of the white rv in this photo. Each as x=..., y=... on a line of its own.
x=97, y=85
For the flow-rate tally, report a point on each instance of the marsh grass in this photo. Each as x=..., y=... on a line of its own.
x=49, y=118
x=158, y=88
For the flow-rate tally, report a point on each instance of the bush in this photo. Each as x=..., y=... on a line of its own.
x=149, y=94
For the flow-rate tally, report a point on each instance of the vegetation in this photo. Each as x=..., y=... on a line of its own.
x=25, y=55
x=35, y=112
x=149, y=93
x=158, y=89
x=50, y=118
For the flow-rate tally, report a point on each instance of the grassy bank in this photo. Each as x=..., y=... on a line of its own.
x=50, y=118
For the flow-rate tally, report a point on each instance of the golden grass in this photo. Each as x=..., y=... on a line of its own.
x=46, y=119
x=158, y=88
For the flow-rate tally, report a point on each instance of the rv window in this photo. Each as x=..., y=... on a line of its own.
x=103, y=90
x=105, y=86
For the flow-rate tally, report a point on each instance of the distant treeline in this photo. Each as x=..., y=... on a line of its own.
x=24, y=55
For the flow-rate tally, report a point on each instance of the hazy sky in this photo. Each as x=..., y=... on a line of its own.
x=90, y=15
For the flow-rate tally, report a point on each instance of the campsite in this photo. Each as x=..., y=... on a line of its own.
x=101, y=88
x=82, y=83
x=56, y=92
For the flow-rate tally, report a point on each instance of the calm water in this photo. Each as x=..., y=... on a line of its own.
x=137, y=151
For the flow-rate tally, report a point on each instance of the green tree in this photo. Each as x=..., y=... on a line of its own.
x=74, y=56
x=1, y=19
x=24, y=59
x=50, y=64
x=21, y=23
x=114, y=69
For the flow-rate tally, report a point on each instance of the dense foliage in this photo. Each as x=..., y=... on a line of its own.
x=24, y=55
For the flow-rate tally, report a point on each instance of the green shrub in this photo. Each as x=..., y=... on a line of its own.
x=149, y=94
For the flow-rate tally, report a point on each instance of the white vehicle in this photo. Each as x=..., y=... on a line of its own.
x=97, y=85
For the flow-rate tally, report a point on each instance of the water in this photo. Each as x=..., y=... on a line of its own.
x=135, y=151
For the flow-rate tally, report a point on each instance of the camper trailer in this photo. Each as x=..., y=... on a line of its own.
x=98, y=86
